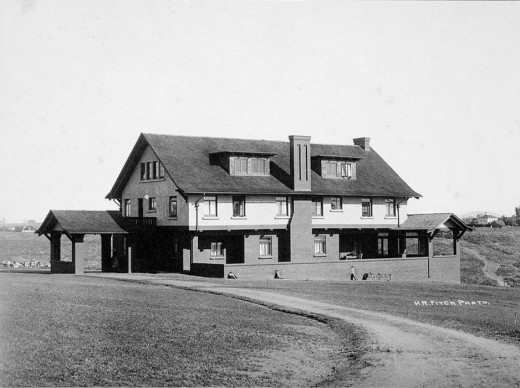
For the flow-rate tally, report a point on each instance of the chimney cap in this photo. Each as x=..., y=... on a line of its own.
x=299, y=137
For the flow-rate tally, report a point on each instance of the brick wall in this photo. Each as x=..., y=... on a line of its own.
x=300, y=227
x=442, y=269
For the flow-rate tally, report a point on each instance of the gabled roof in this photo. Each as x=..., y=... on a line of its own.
x=186, y=160
x=83, y=222
x=434, y=221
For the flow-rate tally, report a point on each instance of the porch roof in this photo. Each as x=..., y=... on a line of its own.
x=434, y=221
x=83, y=222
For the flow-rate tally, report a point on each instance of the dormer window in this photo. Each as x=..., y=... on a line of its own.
x=335, y=166
x=337, y=169
x=241, y=165
x=243, y=162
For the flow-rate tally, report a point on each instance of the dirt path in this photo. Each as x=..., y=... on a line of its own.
x=402, y=352
x=490, y=267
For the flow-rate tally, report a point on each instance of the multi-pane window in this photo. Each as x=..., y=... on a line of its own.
x=152, y=203
x=128, y=206
x=240, y=165
x=151, y=171
x=282, y=206
x=336, y=203
x=334, y=169
x=346, y=170
x=266, y=246
x=172, y=207
x=317, y=207
x=216, y=249
x=382, y=244
x=366, y=207
x=239, y=206
x=390, y=207
x=210, y=205
x=320, y=244
x=257, y=166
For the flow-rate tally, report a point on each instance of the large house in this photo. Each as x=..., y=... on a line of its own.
x=219, y=206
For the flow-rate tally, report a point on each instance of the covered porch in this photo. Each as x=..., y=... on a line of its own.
x=74, y=225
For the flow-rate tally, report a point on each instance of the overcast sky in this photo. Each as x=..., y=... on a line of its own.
x=436, y=85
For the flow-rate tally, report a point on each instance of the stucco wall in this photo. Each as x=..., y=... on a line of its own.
x=351, y=213
x=260, y=211
x=160, y=189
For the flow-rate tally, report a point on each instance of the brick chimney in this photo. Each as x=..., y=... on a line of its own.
x=300, y=162
x=363, y=142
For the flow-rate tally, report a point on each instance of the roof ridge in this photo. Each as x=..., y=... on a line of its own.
x=244, y=139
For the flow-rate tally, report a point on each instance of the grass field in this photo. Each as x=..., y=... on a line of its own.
x=61, y=330
x=498, y=318
x=499, y=245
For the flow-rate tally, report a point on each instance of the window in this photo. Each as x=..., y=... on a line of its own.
x=241, y=165
x=216, y=249
x=382, y=244
x=128, y=207
x=320, y=244
x=334, y=169
x=282, y=206
x=152, y=204
x=148, y=170
x=161, y=171
x=239, y=206
x=257, y=166
x=210, y=205
x=143, y=171
x=336, y=203
x=172, y=207
x=366, y=207
x=390, y=207
x=346, y=170
x=317, y=207
x=151, y=171
x=266, y=246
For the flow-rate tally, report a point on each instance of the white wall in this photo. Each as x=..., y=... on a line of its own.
x=351, y=213
x=260, y=211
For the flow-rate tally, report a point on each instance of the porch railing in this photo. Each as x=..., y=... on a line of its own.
x=140, y=222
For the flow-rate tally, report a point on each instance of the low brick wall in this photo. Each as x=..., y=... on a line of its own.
x=442, y=269
x=62, y=267
x=208, y=270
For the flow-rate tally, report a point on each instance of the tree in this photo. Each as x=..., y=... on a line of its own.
x=517, y=211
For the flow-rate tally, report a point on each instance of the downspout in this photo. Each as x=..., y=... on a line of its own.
x=196, y=227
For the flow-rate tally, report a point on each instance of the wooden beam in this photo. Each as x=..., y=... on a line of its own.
x=47, y=235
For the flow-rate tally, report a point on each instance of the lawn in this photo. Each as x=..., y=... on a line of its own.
x=497, y=318
x=62, y=330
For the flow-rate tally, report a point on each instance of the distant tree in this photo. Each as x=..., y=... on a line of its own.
x=510, y=221
x=517, y=211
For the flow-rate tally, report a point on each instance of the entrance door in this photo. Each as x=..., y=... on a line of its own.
x=140, y=207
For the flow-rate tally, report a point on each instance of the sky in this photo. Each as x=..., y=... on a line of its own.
x=435, y=85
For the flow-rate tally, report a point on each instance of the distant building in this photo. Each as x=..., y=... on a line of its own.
x=485, y=220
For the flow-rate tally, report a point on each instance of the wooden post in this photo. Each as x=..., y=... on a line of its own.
x=430, y=253
x=129, y=259
x=106, y=252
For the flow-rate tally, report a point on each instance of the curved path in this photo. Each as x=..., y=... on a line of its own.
x=490, y=267
x=402, y=352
